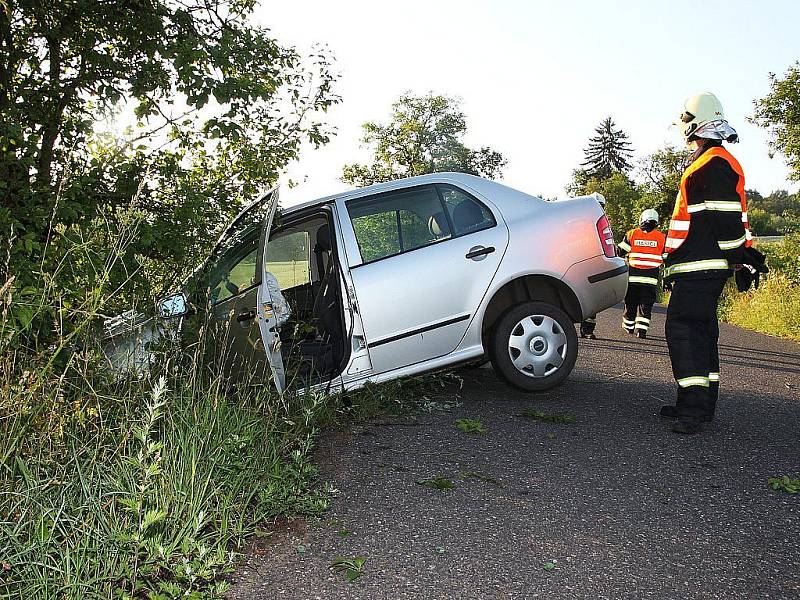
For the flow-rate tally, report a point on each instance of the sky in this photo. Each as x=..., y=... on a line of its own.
x=535, y=78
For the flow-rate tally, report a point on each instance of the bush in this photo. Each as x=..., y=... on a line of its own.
x=784, y=257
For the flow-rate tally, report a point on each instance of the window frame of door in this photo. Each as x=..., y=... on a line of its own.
x=247, y=240
x=435, y=185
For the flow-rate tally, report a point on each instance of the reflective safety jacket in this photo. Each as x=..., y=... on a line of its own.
x=644, y=252
x=709, y=228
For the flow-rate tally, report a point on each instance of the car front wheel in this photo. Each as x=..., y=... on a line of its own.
x=534, y=346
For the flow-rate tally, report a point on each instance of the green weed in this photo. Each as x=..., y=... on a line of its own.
x=785, y=484
x=471, y=426
x=438, y=483
x=548, y=417
x=773, y=308
x=353, y=568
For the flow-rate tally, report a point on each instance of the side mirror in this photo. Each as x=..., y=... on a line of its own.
x=173, y=306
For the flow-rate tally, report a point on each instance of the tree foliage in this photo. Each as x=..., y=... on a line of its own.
x=424, y=135
x=216, y=108
x=622, y=199
x=779, y=113
x=776, y=214
x=608, y=152
x=660, y=176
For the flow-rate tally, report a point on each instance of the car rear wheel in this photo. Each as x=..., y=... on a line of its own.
x=534, y=346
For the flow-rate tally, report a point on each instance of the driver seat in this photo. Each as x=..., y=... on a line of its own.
x=325, y=313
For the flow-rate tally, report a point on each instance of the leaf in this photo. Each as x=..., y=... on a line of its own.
x=785, y=484
x=152, y=517
x=352, y=567
x=549, y=566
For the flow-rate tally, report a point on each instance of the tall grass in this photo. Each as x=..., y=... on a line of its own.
x=145, y=486
x=142, y=487
x=774, y=307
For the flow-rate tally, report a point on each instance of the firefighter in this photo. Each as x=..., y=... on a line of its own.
x=707, y=237
x=643, y=247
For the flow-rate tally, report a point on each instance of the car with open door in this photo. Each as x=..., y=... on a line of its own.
x=401, y=278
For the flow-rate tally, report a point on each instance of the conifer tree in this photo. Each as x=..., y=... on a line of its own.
x=608, y=152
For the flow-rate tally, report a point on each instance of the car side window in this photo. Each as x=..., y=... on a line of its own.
x=235, y=271
x=288, y=257
x=466, y=213
x=397, y=222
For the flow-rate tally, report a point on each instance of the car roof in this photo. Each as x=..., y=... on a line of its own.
x=472, y=181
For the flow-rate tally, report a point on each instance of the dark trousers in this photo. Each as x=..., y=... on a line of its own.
x=639, y=301
x=692, y=333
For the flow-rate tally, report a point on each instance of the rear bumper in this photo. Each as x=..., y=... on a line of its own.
x=599, y=283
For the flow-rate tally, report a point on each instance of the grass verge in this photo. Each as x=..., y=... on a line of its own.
x=152, y=498
x=148, y=488
x=773, y=308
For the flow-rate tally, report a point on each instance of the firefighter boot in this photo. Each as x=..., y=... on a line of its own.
x=668, y=411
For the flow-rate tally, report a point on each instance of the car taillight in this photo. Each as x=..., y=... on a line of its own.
x=606, y=237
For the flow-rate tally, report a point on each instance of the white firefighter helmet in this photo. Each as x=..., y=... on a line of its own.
x=698, y=110
x=649, y=214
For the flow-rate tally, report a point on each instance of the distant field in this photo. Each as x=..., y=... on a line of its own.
x=290, y=273
x=769, y=239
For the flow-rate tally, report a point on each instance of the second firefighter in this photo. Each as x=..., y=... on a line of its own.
x=643, y=247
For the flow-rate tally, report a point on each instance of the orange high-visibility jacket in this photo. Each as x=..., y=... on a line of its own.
x=646, y=248
x=644, y=252
x=717, y=204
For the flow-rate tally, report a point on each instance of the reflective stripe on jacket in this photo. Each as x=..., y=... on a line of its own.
x=644, y=252
x=711, y=198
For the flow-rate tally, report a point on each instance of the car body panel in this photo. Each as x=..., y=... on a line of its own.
x=417, y=305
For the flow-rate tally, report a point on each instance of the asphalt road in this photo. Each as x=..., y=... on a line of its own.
x=623, y=507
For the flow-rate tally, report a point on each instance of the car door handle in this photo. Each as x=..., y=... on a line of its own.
x=246, y=316
x=477, y=251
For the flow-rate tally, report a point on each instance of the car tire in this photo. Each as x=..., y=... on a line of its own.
x=534, y=346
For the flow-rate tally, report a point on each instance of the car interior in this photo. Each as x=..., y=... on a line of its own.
x=302, y=257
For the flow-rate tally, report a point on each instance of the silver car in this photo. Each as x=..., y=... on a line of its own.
x=406, y=277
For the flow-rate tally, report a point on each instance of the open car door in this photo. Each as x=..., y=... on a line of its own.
x=266, y=313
